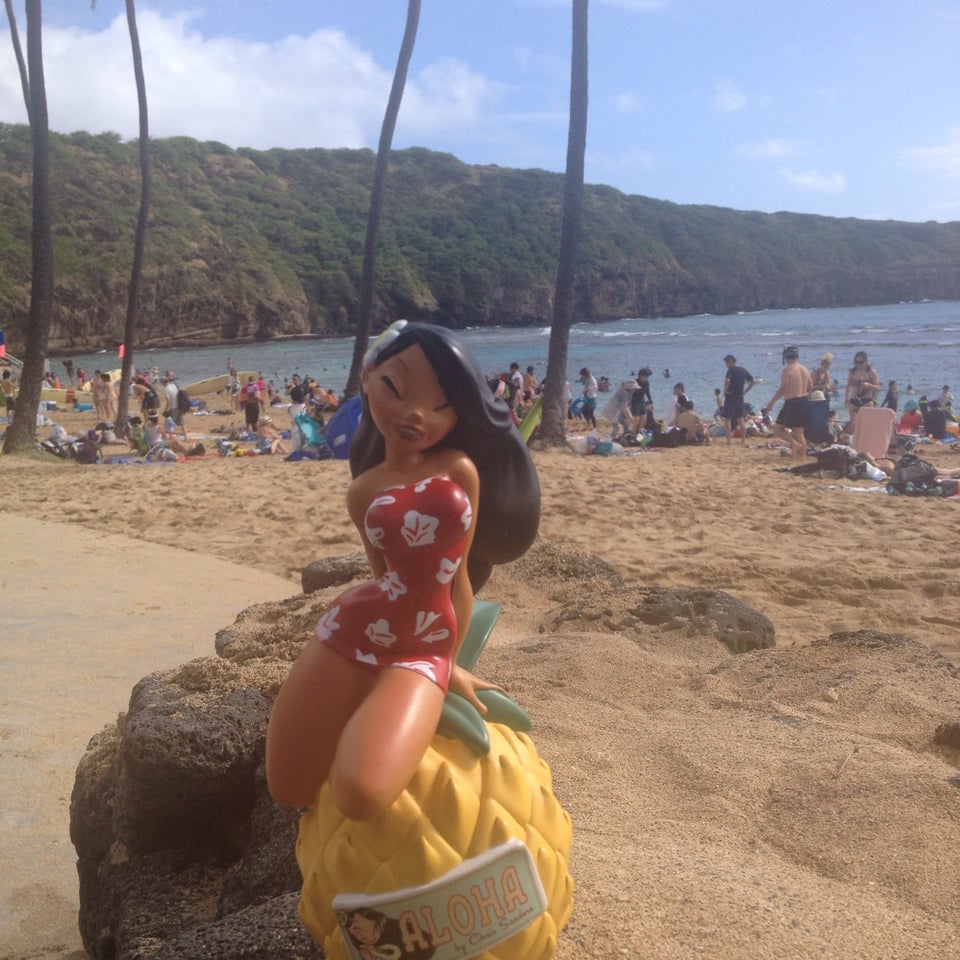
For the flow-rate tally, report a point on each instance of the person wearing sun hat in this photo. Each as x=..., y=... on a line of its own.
x=617, y=408
x=269, y=439
x=911, y=419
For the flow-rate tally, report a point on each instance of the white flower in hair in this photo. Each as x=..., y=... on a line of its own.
x=372, y=355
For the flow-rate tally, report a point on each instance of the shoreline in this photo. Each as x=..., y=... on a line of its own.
x=546, y=322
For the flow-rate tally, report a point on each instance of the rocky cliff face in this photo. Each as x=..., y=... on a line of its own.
x=257, y=244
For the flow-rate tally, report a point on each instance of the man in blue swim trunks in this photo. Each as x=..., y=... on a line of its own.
x=795, y=386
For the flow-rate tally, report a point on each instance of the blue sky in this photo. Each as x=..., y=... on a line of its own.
x=846, y=108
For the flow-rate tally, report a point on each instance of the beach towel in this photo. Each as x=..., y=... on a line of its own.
x=873, y=429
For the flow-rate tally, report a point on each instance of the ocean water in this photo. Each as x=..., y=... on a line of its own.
x=916, y=344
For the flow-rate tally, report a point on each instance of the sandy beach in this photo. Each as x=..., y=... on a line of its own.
x=785, y=803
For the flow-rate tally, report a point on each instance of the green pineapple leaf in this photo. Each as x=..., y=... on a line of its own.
x=459, y=719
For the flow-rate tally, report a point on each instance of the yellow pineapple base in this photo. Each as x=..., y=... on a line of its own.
x=457, y=806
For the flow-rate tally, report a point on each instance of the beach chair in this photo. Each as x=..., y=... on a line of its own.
x=873, y=429
x=307, y=436
x=817, y=430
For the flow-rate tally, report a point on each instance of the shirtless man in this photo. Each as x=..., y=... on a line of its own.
x=795, y=386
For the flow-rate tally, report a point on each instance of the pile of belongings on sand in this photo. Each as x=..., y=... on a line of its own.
x=911, y=476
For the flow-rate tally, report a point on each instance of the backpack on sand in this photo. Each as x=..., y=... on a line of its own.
x=915, y=477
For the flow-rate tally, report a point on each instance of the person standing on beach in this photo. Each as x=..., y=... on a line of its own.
x=736, y=385
x=892, y=399
x=531, y=384
x=9, y=394
x=863, y=384
x=641, y=403
x=250, y=398
x=617, y=410
x=589, y=411
x=170, y=393
x=298, y=397
x=822, y=377
x=516, y=384
x=795, y=387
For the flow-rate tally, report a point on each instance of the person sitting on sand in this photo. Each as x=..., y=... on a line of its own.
x=691, y=422
x=158, y=437
x=910, y=419
x=270, y=440
x=935, y=420
x=796, y=385
x=672, y=407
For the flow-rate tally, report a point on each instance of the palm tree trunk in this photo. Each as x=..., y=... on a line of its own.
x=21, y=434
x=18, y=53
x=553, y=428
x=136, y=270
x=369, y=276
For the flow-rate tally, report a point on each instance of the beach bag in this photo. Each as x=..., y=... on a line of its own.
x=84, y=451
x=948, y=487
x=914, y=476
x=674, y=437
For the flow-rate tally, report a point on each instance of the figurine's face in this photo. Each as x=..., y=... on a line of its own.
x=365, y=930
x=406, y=401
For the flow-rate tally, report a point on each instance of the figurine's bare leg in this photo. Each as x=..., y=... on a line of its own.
x=319, y=696
x=384, y=741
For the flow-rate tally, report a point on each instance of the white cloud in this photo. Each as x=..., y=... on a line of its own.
x=620, y=167
x=319, y=90
x=728, y=97
x=629, y=103
x=445, y=94
x=814, y=180
x=941, y=161
x=767, y=149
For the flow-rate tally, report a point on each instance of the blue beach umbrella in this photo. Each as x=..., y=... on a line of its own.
x=342, y=426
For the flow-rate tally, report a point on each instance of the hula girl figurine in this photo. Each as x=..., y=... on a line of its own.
x=443, y=488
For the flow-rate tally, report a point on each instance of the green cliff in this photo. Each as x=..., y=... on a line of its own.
x=258, y=244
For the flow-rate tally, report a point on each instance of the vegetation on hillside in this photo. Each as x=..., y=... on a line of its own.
x=246, y=243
